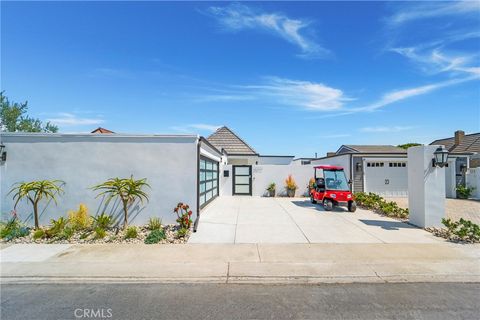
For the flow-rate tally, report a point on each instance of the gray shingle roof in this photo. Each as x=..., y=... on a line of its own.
x=469, y=144
x=373, y=149
x=226, y=139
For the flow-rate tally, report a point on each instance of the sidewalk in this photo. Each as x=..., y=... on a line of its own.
x=242, y=263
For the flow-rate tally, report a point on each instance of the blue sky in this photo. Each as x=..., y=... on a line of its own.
x=290, y=78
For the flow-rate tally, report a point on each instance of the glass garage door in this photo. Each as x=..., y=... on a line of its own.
x=242, y=180
x=208, y=184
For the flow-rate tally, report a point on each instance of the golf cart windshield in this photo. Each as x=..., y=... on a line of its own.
x=335, y=180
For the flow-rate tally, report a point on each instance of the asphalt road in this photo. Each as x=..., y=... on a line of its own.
x=209, y=301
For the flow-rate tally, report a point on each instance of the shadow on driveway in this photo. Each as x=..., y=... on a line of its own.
x=317, y=206
x=388, y=225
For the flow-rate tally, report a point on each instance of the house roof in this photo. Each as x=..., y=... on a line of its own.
x=470, y=144
x=102, y=130
x=370, y=149
x=226, y=139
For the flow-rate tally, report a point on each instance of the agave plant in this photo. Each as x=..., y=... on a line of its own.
x=35, y=191
x=128, y=190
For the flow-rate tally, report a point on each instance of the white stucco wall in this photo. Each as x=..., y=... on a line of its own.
x=473, y=180
x=274, y=160
x=263, y=175
x=168, y=163
x=426, y=188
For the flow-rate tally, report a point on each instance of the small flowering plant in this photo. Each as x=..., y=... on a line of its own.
x=184, y=215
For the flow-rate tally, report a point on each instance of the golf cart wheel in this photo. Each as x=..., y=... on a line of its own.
x=352, y=206
x=312, y=199
x=328, y=205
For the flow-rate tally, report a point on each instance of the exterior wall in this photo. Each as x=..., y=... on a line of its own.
x=274, y=160
x=357, y=173
x=450, y=179
x=473, y=180
x=81, y=161
x=263, y=175
x=242, y=160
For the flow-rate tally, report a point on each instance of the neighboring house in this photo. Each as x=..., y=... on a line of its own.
x=380, y=169
x=102, y=130
x=464, y=153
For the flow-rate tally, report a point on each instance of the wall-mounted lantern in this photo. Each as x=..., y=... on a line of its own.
x=440, y=157
x=3, y=153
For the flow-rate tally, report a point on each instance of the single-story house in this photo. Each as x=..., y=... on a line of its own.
x=179, y=168
x=382, y=169
x=192, y=169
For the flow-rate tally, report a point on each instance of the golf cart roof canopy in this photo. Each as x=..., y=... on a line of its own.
x=328, y=167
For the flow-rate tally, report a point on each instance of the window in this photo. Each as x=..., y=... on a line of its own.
x=208, y=184
x=375, y=164
x=397, y=164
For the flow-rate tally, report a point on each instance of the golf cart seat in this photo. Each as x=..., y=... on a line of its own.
x=331, y=183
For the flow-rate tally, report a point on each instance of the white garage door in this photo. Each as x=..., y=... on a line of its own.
x=386, y=178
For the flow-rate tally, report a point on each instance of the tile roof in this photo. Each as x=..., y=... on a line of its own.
x=102, y=130
x=226, y=139
x=469, y=144
x=373, y=149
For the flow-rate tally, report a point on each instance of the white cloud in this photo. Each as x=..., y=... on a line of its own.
x=194, y=128
x=236, y=17
x=386, y=129
x=302, y=94
x=399, y=95
x=70, y=119
x=434, y=9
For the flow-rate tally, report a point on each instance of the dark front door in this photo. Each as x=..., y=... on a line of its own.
x=242, y=180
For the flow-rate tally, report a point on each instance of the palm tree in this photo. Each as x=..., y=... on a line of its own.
x=35, y=191
x=128, y=190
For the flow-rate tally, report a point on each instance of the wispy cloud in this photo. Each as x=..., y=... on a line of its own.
x=70, y=119
x=386, y=129
x=399, y=95
x=236, y=17
x=301, y=94
x=195, y=128
x=433, y=9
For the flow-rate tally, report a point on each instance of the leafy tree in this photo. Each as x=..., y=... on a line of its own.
x=35, y=191
x=128, y=190
x=408, y=145
x=14, y=118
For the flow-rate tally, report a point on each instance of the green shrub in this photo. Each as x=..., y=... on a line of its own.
x=13, y=229
x=38, y=234
x=376, y=203
x=463, y=229
x=155, y=236
x=100, y=233
x=131, y=232
x=57, y=227
x=182, y=232
x=80, y=219
x=103, y=221
x=154, y=223
x=464, y=192
x=67, y=233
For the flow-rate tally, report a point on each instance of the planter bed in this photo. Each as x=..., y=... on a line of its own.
x=114, y=235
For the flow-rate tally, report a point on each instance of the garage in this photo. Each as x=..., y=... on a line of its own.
x=208, y=182
x=386, y=177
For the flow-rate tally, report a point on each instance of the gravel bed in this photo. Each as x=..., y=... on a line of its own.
x=443, y=233
x=115, y=235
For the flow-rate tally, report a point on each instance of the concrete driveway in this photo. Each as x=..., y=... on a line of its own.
x=296, y=220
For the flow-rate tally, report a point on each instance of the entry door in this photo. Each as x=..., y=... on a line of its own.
x=242, y=180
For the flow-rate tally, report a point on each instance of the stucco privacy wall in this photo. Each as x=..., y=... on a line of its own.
x=473, y=180
x=168, y=163
x=263, y=175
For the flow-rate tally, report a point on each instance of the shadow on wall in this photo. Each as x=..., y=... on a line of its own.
x=115, y=209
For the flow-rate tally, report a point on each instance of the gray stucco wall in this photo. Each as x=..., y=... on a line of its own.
x=168, y=163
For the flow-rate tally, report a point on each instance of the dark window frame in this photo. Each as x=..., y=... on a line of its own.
x=205, y=170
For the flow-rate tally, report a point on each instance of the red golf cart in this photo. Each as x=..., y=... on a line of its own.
x=332, y=189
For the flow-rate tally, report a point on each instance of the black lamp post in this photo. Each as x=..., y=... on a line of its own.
x=440, y=158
